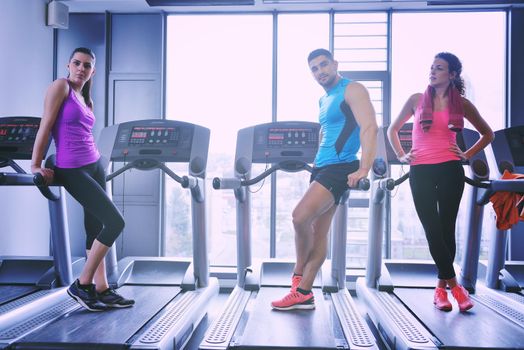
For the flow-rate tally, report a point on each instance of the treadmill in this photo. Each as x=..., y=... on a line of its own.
x=247, y=320
x=32, y=287
x=399, y=295
x=506, y=277
x=171, y=295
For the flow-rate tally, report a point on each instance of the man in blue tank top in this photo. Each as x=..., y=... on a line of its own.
x=348, y=123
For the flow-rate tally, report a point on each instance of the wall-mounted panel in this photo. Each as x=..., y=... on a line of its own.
x=135, y=93
x=141, y=235
x=135, y=97
x=136, y=43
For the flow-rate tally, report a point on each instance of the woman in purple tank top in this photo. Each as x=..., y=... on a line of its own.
x=68, y=117
x=436, y=174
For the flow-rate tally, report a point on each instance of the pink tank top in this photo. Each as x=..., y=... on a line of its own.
x=432, y=147
x=72, y=132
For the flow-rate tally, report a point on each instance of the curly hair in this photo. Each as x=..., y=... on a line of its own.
x=454, y=65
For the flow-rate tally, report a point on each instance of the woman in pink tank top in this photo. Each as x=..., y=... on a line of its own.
x=436, y=174
x=68, y=116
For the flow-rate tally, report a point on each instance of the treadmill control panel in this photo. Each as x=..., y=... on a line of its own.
x=276, y=142
x=405, y=135
x=162, y=140
x=154, y=136
x=17, y=136
x=290, y=137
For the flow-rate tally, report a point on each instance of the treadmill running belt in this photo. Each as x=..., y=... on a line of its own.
x=108, y=329
x=479, y=328
x=9, y=293
x=297, y=329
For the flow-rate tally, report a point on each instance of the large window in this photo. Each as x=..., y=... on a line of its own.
x=478, y=39
x=220, y=71
x=218, y=76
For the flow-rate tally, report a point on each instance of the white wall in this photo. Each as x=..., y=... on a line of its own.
x=26, y=69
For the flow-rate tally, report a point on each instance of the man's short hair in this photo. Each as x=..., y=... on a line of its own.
x=319, y=52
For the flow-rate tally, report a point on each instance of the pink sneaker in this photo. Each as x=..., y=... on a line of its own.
x=441, y=300
x=295, y=300
x=461, y=295
x=295, y=281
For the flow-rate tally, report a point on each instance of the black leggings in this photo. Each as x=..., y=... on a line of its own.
x=87, y=185
x=437, y=190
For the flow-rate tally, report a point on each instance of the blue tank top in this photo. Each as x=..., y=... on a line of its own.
x=340, y=132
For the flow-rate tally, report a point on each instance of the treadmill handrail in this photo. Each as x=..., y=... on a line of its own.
x=148, y=164
x=24, y=179
x=38, y=181
x=402, y=179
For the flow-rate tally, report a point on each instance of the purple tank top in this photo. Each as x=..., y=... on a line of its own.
x=72, y=132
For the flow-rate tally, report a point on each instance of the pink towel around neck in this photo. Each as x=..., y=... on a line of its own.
x=456, y=109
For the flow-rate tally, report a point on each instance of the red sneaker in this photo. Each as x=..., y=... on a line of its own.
x=441, y=300
x=461, y=295
x=295, y=281
x=295, y=300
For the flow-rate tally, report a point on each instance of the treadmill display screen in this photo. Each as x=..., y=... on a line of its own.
x=18, y=133
x=154, y=136
x=292, y=137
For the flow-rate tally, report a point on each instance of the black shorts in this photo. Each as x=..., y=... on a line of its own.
x=334, y=177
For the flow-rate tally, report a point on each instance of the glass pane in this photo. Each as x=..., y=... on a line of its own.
x=298, y=96
x=410, y=74
x=218, y=76
x=298, y=92
x=361, y=41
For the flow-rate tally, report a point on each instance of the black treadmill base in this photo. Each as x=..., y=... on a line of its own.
x=295, y=329
x=105, y=330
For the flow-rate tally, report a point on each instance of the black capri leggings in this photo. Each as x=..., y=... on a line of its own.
x=437, y=190
x=87, y=185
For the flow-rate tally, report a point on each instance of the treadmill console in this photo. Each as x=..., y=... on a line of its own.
x=162, y=140
x=508, y=149
x=280, y=141
x=17, y=136
x=406, y=141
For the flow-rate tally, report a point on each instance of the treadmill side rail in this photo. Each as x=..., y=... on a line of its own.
x=355, y=328
x=219, y=334
x=397, y=327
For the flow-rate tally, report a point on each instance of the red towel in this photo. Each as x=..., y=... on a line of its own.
x=507, y=205
x=456, y=109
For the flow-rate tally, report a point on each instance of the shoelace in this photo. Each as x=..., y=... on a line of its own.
x=294, y=295
x=89, y=289
x=441, y=294
x=295, y=281
x=291, y=296
x=461, y=295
